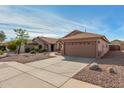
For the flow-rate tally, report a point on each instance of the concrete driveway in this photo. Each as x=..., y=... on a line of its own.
x=48, y=73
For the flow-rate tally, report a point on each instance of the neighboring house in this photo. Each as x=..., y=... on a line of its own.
x=24, y=46
x=115, y=45
x=118, y=43
x=46, y=43
x=84, y=44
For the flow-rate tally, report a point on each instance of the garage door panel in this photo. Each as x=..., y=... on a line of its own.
x=87, y=50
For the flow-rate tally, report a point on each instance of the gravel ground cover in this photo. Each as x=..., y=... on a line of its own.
x=25, y=57
x=103, y=78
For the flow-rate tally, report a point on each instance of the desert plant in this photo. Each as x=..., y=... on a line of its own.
x=44, y=50
x=27, y=50
x=36, y=48
x=40, y=47
x=1, y=52
x=40, y=50
x=12, y=46
x=112, y=70
x=33, y=52
x=3, y=48
x=21, y=38
x=94, y=66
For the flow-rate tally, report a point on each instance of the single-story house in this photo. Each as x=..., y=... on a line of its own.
x=115, y=42
x=46, y=43
x=118, y=43
x=84, y=44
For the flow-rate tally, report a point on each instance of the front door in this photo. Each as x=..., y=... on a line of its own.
x=52, y=47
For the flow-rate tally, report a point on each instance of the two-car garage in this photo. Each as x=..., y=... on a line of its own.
x=80, y=48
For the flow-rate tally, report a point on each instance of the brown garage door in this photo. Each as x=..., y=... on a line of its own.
x=85, y=49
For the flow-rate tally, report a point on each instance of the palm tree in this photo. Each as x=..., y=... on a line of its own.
x=21, y=38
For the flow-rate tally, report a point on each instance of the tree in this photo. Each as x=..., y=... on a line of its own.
x=21, y=38
x=2, y=36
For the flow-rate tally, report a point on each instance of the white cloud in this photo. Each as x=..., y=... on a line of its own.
x=33, y=35
x=47, y=23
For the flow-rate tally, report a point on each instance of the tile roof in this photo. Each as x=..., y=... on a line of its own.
x=116, y=42
x=83, y=35
x=73, y=33
x=45, y=39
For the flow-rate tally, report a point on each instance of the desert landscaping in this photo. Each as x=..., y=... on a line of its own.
x=109, y=73
x=25, y=57
x=62, y=62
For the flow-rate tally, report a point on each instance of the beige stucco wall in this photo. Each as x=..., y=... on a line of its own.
x=122, y=46
x=22, y=49
x=55, y=47
x=102, y=48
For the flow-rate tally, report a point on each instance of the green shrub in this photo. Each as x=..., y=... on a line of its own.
x=1, y=52
x=33, y=52
x=42, y=50
x=40, y=47
x=3, y=48
x=27, y=50
x=35, y=48
x=12, y=46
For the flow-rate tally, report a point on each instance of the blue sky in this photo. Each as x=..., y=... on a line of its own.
x=57, y=21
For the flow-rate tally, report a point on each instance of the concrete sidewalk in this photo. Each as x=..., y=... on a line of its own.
x=48, y=73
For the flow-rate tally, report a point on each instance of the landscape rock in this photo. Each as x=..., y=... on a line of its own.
x=112, y=70
x=94, y=66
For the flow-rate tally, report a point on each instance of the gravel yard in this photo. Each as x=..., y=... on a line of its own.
x=104, y=78
x=25, y=58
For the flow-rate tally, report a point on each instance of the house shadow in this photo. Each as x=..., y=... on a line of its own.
x=112, y=58
x=77, y=59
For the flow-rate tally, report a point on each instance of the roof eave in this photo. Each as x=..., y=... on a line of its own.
x=80, y=38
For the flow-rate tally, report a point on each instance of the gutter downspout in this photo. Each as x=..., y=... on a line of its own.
x=96, y=49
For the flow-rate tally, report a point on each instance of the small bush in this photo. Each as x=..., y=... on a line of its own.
x=33, y=52
x=1, y=52
x=112, y=70
x=27, y=50
x=12, y=46
x=3, y=48
x=35, y=48
x=94, y=66
x=40, y=47
x=42, y=50
x=45, y=50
